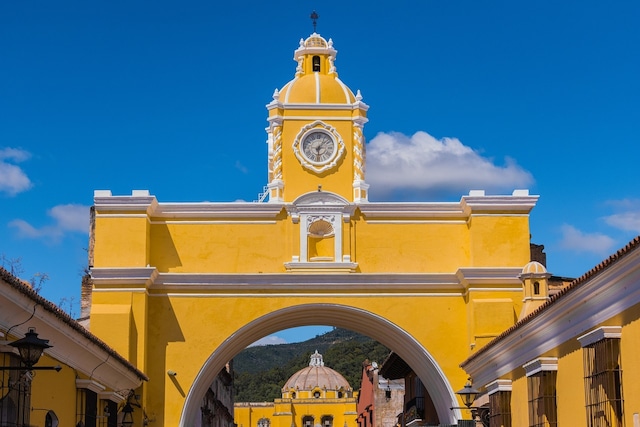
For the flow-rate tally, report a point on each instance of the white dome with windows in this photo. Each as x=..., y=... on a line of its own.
x=315, y=379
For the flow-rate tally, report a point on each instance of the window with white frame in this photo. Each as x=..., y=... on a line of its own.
x=541, y=387
x=499, y=403
x=603, y=377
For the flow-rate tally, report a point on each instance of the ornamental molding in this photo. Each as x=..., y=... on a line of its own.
x=90, y=385
x=319, y=125
x=320, y=203
x=117, y=279
x=541, y=364
x=600, y=334
x=499, y=385
x=519, y=202
x=128, y=206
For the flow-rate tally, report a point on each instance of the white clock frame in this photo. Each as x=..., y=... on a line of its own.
x=316, y=126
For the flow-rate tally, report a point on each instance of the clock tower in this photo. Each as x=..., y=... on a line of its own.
x=315, y=130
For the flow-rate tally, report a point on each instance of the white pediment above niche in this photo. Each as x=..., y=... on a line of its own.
x=320, y=202
x=320, y=198
x=321, y=215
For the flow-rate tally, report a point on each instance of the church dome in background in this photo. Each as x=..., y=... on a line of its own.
x=316, y=375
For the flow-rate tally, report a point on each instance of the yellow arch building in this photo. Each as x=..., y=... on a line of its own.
x=183, y=287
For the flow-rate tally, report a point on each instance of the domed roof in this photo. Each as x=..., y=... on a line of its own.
x=316, y=80
x=316, y=89
x=316, y=375
x=534, y=267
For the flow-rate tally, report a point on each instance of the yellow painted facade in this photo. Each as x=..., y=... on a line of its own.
x=186, y=286
x=585, y=339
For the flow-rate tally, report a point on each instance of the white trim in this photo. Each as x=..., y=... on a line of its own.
x=465, y=280
x=541, y=364
x=347, y=92
x=565, y=319
x=304, y=265
x=498, y=385
x=112, y=396
x=317, y=80
x=89, y=385
x=221, y=222
x=600, y=334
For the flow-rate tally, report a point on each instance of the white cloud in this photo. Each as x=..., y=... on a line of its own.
x=628, y=217
x=270, y=340
x=576, y=240
x=242, y=168
x=423, y=164
x=13, y=179
x=71, y=217
x=68, y=218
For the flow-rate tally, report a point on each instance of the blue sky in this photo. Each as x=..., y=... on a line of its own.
x=170, y=96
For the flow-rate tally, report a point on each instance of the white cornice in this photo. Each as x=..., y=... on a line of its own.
x=112, y=396
x=139, y=200
x=106, y=279
x=372, y=210
x=217, y=210
x=200, y=210
x=541, y=364
x=499, y=385
x=483, y=276
x=608, y=293
x=518, y=202
x=600, y=334
x=324, y=267
x=142, y=276
x=94, y=386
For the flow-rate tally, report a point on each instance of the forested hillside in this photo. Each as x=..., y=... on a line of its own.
x=260, y=372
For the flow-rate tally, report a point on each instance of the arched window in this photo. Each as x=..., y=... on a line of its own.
x=316, y=63
x=327, y=421
x=536, y=288
x=264, y=422
x=50, y=420
x=307, y=421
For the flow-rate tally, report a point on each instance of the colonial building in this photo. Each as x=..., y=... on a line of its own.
x=79, y=380
x=572, y=359
x=315, y=396
x=380, y=400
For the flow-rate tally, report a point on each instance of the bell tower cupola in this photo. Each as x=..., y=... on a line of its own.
x=315, y=132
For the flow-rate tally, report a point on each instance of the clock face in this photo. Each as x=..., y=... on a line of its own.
x=318, y=147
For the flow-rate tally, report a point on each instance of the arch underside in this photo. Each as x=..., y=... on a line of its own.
x=356, y=319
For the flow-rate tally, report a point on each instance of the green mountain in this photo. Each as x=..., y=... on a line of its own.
x=260, y=372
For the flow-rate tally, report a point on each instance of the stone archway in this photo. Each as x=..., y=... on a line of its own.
x=342, y=316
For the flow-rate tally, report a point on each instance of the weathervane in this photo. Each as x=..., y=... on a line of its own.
x=314, y=17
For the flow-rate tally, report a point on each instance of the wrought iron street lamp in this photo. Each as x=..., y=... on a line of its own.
x=468, y=394
x=127, y=415
x=30, y=348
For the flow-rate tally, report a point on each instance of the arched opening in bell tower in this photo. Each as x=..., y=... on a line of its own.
x=316, y=63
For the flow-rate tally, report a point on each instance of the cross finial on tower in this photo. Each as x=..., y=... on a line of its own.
x=314, y=18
